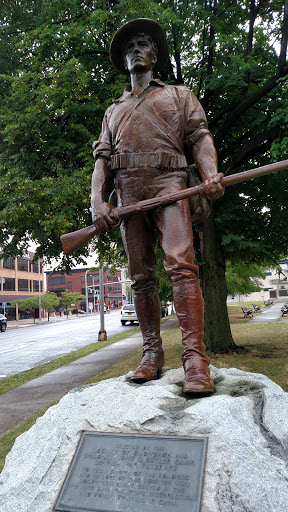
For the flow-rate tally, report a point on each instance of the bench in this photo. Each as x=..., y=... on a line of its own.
x=248, y=313
x=256, y=308
x=285, y=309
x=268, y=303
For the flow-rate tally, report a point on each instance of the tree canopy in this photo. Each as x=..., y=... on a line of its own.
x=243, y=279
x=48, y=301
x=71, y=298
x=56, y=82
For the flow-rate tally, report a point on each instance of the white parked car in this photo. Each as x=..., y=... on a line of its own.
x=128, y=314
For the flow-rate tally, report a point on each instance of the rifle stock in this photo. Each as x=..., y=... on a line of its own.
x=74, y=240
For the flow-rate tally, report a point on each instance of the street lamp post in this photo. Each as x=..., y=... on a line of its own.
x=102, y=335
x=39, y=281
x=86, y=290
x=93, y=292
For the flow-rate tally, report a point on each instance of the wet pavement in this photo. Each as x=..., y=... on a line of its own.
x=22, y=402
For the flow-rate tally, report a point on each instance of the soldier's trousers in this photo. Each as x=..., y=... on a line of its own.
x=172, y=226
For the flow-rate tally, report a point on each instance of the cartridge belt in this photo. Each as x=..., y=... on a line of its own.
x=158, y=160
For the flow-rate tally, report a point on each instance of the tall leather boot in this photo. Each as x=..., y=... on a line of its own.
x=189, y=307
x=148, y=309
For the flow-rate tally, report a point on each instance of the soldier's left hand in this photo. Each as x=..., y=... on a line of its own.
x=212, y=187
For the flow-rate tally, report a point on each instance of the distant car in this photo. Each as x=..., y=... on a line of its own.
x=128, y=314
x=3, y=323
x=164, y=309
x=81, y=312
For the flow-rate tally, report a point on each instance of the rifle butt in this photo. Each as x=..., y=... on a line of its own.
x=72, y=241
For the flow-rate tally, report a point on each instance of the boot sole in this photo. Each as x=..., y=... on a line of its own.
x=139, y=380
x=205, y=392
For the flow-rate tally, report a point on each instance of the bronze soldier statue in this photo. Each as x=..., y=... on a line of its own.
x=147, y=135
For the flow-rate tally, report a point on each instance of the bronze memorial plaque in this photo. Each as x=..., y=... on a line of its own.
x=128, y=472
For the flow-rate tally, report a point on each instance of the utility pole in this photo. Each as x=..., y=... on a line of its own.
x=102, y=335
x=86, y=291
x=39, y=279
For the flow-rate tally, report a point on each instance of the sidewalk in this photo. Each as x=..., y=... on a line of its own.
x=271, y=314
x=22, y=402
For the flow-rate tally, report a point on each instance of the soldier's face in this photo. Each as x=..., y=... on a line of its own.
x=139, y=54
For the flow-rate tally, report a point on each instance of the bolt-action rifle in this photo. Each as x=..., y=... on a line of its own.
x=74, y=240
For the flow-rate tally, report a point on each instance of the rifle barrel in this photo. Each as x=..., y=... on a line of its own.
x=254, y=173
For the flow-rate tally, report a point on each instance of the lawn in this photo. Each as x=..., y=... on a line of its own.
x=264, y=350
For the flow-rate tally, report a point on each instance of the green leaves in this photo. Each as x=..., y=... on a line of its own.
x=71, y=298
x=48, y=301
x=243, y=279
x=56, y=82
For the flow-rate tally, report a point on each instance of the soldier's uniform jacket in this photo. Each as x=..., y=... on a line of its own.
x=154, y=129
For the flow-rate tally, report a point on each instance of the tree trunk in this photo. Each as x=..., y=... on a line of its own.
x=218, y=336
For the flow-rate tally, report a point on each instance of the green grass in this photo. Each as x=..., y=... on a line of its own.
x=265, y=350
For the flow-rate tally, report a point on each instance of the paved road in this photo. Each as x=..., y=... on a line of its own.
x=30, y=346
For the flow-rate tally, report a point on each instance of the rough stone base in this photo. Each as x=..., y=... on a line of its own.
x=246, y=421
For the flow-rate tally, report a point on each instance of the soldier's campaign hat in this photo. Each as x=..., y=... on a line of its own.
x=139, y=26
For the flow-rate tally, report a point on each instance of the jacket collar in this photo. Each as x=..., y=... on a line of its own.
x=155, y=82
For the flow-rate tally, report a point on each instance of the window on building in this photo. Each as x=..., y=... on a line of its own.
x=22, y=264
x=23, y=285
x=82, y=279
x=283, y=293
x=83, y=291
x=8, y=284
x=9, y=263
x=36, y=286
x=90, y=278
x=35, y=267
x=69, y=285
x=54, y=281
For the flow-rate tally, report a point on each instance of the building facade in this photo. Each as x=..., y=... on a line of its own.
x=82, y=279
x=276, y=282
x=274, y=287
x=19, y=279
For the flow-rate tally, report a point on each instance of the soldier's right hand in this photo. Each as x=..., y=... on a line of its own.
x=104, y=217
